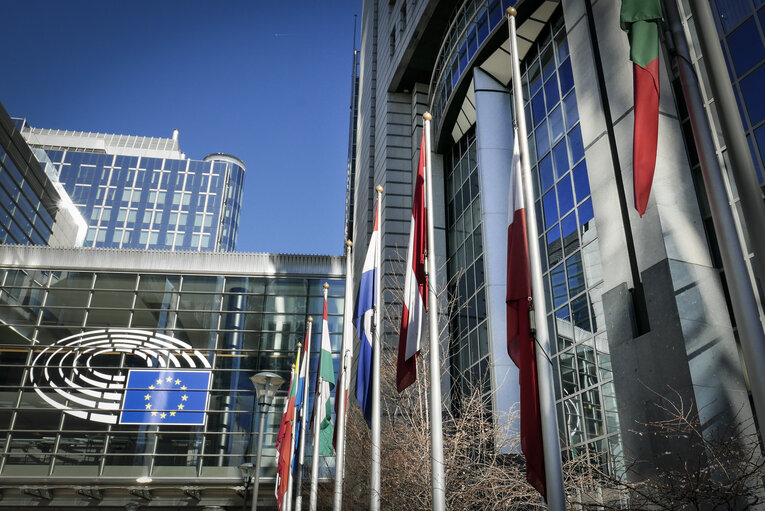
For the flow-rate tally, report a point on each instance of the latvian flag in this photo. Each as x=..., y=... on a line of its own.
x=520, y=344
x=415, y=285
x=363, y=317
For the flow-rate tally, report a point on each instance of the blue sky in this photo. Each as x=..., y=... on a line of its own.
x=267, y=81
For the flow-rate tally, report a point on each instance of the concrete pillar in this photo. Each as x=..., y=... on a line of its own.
x=494, y=145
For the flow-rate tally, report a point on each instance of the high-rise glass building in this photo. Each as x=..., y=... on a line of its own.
x=77, y=326
x=142, y=192
x=637, y=307
x=34, y=207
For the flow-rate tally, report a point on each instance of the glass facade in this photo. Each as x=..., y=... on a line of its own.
x=741, y=24
x=156, y=203
x=469, y=330
x=28, y=199
x=24, y=220
x=571, y=264
x=473, y=22
x=570, y=252
x=63, y=332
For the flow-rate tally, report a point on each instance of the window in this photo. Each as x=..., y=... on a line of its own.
x=392, y=42
x=402, y=17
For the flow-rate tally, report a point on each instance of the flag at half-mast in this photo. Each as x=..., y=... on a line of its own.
x=520, y=343
x=284, y=439
x=326, y=382
x=305, y=360
x=363, y=318
x=640, y=19
x=415, y=284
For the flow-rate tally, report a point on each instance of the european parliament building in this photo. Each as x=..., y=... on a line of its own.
x=638, y=309
x=81, y=330
x=143, y=192
x=125, y=373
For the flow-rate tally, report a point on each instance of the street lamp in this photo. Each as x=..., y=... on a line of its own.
x=266, y=384
x=247, y=470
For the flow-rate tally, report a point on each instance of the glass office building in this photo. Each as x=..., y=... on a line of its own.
x=34, y=207
x=622, y=293
x=76, y=325
x=142, y=192
x=741, y=25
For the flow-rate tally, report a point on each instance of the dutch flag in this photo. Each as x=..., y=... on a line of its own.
x=363, y=317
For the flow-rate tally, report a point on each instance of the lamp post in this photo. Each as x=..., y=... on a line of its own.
x=266, y=385
x=247, y=470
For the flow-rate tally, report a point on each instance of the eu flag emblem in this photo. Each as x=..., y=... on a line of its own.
x=165, y=396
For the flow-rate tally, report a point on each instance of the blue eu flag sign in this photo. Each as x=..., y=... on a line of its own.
x=166, y=396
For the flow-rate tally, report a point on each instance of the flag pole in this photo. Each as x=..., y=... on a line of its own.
x=345, y=367
x=288, y=498
x=374, y=473
x=316, y=434
x=437, y=477
x=303, y=415
x=556, y=495
x=741, y=164
x=742, y=295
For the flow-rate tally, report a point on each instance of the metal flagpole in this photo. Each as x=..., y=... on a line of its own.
x=315, y=435
x=374, y=473
x=345, y=368
x=288, y=497
x=741, y=164
x=303, y=415
x=741, y=293
x=556, y=495
x=437, y=477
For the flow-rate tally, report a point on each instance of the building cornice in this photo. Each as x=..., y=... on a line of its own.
x=161, y=261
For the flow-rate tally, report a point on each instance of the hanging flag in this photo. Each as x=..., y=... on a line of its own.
x=284, y=439
x=363, y=317
x=415, y=284
x=344, y=377
x=326, y=382
x=520, y=344
x=640, y=19
x=300, y=396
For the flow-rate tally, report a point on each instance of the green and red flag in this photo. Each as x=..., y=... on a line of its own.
x=640, y=19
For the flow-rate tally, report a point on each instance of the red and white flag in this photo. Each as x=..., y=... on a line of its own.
x=415, y=284
x=520, y=344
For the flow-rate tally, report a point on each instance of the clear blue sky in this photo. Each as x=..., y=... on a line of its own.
x=265, y=80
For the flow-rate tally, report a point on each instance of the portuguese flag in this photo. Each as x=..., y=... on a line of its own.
x=640, y=19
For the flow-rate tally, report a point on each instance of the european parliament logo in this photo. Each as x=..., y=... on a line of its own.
x=166, y=396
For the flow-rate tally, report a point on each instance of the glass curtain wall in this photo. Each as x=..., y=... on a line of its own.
x=469, y=349
x=236, y=326
x=24, y=219
x=584, y=392
x=133, y=202
x=573, y=279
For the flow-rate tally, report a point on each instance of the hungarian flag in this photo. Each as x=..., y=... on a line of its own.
x=640, y=19
x=326, y=382
x=415, y=284
x=284, y=440
x=520, y=344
